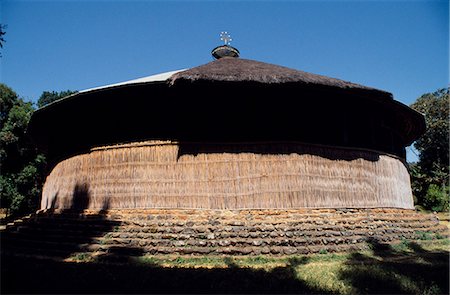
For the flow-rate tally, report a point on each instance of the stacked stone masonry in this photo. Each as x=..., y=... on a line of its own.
x=214, y=232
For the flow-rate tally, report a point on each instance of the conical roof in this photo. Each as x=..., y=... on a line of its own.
x=243, y=70
x=258, y=89
x=230, y=69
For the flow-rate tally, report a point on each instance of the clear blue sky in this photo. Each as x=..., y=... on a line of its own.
x=398, y=46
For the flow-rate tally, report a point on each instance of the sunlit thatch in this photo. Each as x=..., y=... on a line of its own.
x=164, y=174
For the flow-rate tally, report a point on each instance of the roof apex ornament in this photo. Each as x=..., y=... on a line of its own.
x=225, y=50
x=225, y=37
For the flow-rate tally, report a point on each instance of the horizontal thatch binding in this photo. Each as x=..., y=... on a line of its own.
x=158, y=174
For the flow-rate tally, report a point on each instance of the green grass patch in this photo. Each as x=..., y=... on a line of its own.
x=403, y=246
x=323, y=251
x=259, y=261
x=81, y=257
x=183, y=261
x=421, y=235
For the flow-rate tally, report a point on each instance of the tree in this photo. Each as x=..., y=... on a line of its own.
x=48, y=97
x=2, y=33
x=22, y=167
x=431, y=174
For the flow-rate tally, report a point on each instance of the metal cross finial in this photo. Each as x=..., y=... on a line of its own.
x=225, y=37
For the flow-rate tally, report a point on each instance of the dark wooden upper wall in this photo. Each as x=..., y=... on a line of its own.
x=224, y=112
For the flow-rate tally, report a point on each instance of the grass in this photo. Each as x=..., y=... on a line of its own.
x=444, y=218
x=418, y=267
x=421, y=235
x=80, y=257
x=268, y=262
x=325, y=275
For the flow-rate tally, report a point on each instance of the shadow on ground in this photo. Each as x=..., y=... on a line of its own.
x=386, y=271
x=22, y=275
x=409, y=269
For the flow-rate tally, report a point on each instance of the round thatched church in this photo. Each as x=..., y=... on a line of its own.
x=232, y=157
x=230, y=134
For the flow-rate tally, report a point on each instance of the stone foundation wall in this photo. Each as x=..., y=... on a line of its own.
x=217, y=232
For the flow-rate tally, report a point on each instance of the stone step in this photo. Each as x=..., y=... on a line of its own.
x=237, y=215
x=237, y=219
x=74, y=222
x=225, y=231
x=236, y=247
x=217, y=232
x=251, y=227
x=217, y=215
x=54, y=222
x=155, y=240
x=32, y=234
x=15, y=243
x=304, y=221
x=35, y=238
x=21, y=250
x=59, y=229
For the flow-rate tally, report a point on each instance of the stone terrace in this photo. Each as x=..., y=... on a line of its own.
x=63, y=234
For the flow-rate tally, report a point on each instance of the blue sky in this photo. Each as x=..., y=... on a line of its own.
x=398, y=46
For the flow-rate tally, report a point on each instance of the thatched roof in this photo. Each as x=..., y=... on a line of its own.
x=243, y=70
x=311, y=108
x=229, y=69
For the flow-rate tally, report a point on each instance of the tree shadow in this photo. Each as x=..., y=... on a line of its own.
x=81, y=197
x=60, y=233
x=120, y=254
x=408, y=270
x=132, y=277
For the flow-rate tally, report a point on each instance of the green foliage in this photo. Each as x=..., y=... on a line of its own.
x=423, y=235
x=22, y=167
x=431, y=174
x=81, y=257
x=403, y=246
x=49, y=97
x=433, y=145
x=2, y=33
x=437, y=198
x=257, y=259
x=323, y=251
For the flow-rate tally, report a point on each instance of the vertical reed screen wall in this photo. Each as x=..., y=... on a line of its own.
x=157, y=174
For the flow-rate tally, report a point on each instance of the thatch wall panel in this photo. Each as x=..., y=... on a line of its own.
x=158, y=174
